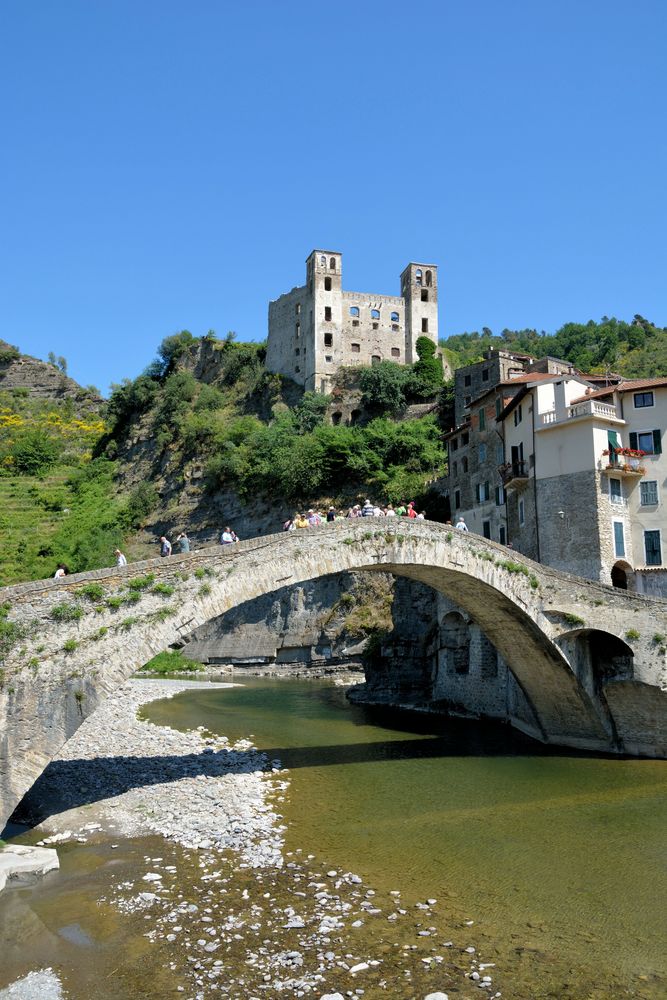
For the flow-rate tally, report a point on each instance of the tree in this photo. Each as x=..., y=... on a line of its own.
x=427, y=372
x=383, y=386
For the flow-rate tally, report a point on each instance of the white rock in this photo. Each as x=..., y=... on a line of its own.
x=361, y=967
x=437, y=996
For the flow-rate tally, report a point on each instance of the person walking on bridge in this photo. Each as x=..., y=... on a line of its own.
x=120, y=558
x=461, y=524
x=165, y=546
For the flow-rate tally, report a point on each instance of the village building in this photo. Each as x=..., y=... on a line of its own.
x=319, y=327
x=585, y=478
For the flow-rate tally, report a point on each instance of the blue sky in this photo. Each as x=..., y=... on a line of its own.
x=171, y=165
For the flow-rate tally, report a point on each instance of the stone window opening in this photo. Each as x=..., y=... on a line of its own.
x=424, y=325
x=486, y=529
x=429, y=278
x=297, y=369
x=327, y=284
x=424, y=295
x=456, y=643
x=298, y=308
x=354, y=310
x=328, y=339
x=485, y=375
x=375, y=326
x=467, y=380
x=395, y=352
x=297, y=351
x=354, y=417
x=457, y=499
x=465, y=438
x=395, y=327
x=327, y=314
x=328, y=358
x=375, y=313
x=394, y=317
x=355, y=348
x=332, y=264
x=336, y=418
x=323, y=261
x=418, y=276
x=455, y=469
x=375, y=359
x=298, y=329
x=464, y=464
x=355, y=322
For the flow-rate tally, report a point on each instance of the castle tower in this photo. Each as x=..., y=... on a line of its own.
x=419, y=288
x=324, y=273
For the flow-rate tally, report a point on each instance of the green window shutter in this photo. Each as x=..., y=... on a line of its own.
x=633, y=440
x=657, y=443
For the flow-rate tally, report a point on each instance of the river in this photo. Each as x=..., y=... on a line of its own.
x=557, y=858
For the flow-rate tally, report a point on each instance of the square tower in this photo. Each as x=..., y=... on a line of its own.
x=419, y=289
x=324, y=273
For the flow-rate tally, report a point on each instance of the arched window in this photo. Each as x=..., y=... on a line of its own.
x=375, y=359
x=418, y=276
x=323, y=261
x=394, y=317
x=375, y=313
x=429, y=278
x=332, y=264
x=354, y=310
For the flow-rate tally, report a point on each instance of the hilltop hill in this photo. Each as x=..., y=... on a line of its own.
x=43, y=380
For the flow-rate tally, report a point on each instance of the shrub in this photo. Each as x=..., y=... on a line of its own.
x=632, y=634
x=70, y=645
x=141, y=582
x=66, y=613
x=33, y=452
x=142, y=500
x=8, y=353
x=93, y=591
x=164, y=589
x=573, y=619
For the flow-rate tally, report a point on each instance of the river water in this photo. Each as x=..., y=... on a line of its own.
x=557, y=857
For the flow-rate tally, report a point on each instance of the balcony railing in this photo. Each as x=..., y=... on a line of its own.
x=513, y=473
x=621, y=465
x=586, y=408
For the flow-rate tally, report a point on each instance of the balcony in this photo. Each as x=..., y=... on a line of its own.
x=620, y=466
x=513, y=474
x=586, y=408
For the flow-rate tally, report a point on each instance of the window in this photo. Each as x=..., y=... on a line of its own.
x=424, y=325
x=500, y=454
x=643, y=399
x=467, y=400
x=298, y=308
x=652, y=548
x=502, y=535
x=615, y=491
x=297, y=351
x=482, y=420
x=619, y=540
x=375, y=313
x=418, y=276
x=648, y=441
x=355, y=348
x=648, y=493
x=467, y=379
x=323, y=261
x=394, y=317
x=355, y=322
x=297, y=329
x=375, y=326
x=485, y=375
x=327, y=314
x=482, y=492
x=424, y=295
x=327, y=284
x=336, y=418
x=332, y=263
x=457, y=499
x=429, y=278
x=375, y=359
x=486, y=529
x=297, y=369
x=481, y=453
x=522, y=512
x=499, y=406
x=395, y=352
x=465, y=437
x=395, y=326
x=455, y=444
x=328, y=339
x=518, y=416
x=354, y=310
x=328, y=358
x=500, y=495
x=455, y=469
x=464, y=464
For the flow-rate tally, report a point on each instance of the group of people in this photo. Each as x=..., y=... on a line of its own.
x=313, y=518
x=181, y=545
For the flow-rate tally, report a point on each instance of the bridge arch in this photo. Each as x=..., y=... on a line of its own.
x=73, y=659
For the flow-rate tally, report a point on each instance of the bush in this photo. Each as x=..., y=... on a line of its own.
x=33, y=453
x=8, y=353
x=66, y=613
x=142, y=500
x=383, y=386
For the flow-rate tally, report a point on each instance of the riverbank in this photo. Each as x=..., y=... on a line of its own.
x=226, y=910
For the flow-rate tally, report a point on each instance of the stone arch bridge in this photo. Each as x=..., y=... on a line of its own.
x=589, y=659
